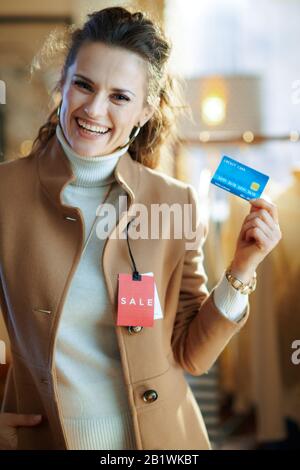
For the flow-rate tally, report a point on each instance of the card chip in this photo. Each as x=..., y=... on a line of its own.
x=255, y=186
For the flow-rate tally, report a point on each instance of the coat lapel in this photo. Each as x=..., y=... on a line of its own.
x=55, y=171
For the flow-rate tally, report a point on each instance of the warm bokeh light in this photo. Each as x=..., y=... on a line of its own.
x=248, y=137
x=213, y=110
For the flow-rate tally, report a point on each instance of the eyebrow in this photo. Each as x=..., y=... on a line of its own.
x=120, y=90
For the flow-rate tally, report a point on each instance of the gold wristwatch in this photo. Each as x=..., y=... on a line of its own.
x=239, y=285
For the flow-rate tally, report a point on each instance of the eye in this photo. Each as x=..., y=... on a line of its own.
x=121, y=97
x=82, y=84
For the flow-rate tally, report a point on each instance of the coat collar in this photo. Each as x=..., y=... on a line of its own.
x=55, y=172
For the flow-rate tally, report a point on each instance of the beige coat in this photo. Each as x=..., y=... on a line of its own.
x=40, y=248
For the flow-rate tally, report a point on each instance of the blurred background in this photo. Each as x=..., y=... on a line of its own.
x=240, y=68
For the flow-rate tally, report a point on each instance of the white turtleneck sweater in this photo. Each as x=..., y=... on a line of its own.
x=92, y=392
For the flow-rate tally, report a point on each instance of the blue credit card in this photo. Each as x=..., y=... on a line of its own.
x=239, y=179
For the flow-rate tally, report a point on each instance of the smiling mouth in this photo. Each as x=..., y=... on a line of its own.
x=91, y=131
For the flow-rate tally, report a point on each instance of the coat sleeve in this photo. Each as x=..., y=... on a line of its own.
x=200, y=331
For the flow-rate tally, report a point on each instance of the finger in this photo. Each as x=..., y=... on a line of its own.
x=260, y=238
x=16, y=420
x=257, y=222
x=263, y=215
x=263, y=204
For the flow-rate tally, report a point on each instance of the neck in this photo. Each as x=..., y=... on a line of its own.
x=90, y=171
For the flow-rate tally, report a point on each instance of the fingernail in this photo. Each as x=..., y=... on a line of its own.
x=37, y=417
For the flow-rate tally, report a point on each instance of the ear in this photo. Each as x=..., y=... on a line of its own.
x=147, y=113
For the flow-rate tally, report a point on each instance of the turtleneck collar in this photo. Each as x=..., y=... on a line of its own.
x=90, y=171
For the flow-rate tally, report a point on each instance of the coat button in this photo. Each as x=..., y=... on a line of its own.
x=134, y=329
x=150, y=396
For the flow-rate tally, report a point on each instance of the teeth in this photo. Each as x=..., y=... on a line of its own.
x=87, y=126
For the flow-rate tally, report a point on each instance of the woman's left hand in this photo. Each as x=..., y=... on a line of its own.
x=259, y=234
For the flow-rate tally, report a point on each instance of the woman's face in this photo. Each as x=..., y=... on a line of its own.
x=106, y=88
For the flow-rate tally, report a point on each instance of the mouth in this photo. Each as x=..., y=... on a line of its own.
x=90, y=130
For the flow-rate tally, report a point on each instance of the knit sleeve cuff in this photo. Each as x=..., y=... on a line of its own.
x=229, y=301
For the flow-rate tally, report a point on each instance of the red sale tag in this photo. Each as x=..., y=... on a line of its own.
x=135, y=301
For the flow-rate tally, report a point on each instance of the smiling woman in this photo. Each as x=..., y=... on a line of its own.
x=94, y=381
x=114, y=84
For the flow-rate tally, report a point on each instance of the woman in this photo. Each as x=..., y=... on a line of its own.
x=80, y=377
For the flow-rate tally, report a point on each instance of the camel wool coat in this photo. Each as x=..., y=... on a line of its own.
x=41, y=240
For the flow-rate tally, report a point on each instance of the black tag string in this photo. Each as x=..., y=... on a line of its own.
x=135, y=274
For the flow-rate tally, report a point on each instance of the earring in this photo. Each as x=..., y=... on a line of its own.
x=58, y=110
x=135, y=132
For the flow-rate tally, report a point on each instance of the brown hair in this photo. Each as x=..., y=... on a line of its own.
x=136, y=32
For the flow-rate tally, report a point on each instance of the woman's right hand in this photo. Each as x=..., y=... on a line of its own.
x=9, y=422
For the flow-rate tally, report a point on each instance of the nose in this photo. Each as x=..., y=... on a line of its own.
x=96, y=107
